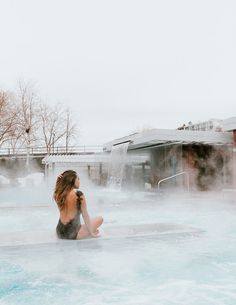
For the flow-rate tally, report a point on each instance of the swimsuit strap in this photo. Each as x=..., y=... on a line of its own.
x=79, y=194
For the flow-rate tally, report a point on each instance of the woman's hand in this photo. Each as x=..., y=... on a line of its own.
x=59, y=177
x=96, y=234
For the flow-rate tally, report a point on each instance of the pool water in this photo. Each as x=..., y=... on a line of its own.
x=162, y=269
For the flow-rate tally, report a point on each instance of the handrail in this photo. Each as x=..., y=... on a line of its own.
x=38, y=150
x=170, y=177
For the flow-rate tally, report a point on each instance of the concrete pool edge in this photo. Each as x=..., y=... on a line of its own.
x=26, y=238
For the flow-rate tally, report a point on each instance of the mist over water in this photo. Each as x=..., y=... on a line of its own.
x=198, y=269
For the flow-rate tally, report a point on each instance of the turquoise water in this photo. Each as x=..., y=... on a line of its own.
x=173, y=269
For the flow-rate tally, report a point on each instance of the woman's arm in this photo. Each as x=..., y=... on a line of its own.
x=86, y=217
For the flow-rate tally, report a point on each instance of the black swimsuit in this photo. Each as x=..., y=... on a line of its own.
x=71, y=228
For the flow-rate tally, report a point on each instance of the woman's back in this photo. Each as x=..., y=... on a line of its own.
x=69, y=222
x=71, y=208
x=71, y=203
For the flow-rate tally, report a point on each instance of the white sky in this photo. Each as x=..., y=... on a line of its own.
x=123, y=65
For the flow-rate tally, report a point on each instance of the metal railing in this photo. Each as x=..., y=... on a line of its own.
x=41, y=150
x=171, y=177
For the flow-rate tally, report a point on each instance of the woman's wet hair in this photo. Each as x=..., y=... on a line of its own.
x=64, y=184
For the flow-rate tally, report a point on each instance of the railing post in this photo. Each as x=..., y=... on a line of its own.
x=171, y=177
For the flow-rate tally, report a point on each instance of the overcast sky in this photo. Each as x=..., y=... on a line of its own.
x=123, y=65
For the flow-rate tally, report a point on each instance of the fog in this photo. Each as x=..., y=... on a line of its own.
x=123, y=65
x=172, y=267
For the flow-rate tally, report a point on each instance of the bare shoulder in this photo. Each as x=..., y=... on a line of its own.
x=72, y=193
x=71, y=196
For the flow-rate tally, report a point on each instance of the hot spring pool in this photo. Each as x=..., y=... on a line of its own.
x=194, y=269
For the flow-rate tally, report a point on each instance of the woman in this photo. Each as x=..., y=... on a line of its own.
x=71, y=203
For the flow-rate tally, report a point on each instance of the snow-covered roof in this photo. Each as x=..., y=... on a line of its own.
x=156, y=137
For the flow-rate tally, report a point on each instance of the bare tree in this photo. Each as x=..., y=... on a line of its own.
x=71, y=129
x=57, y=126
x=16, y=138
x=53, y=126
x=24, y=121
x=7, y=116
x=26, y=118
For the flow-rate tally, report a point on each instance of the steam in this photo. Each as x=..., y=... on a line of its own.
x=211, y=166
x=13, y=171
x=179, y=266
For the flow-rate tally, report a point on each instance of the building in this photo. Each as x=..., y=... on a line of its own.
x=202, y=157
